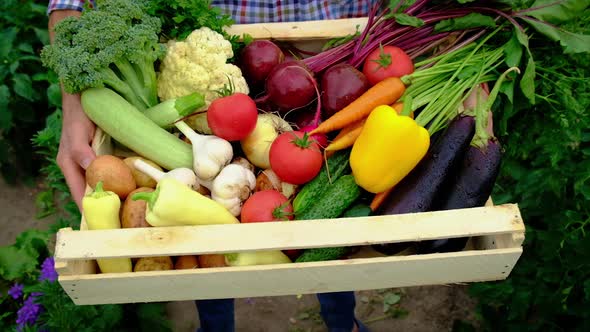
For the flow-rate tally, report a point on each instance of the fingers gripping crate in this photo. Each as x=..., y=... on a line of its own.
x=496, y=235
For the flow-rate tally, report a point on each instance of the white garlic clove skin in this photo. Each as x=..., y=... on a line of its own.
x=233, y=186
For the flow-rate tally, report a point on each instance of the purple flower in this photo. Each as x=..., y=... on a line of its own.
x=29, y=312
x=48, y=270
x=16, y=291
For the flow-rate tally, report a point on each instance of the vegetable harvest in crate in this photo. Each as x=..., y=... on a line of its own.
x=212, y=128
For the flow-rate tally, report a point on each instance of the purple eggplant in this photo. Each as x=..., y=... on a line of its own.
x=419, y=189
x=472, y=183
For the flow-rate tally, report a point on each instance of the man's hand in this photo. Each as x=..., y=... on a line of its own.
x=75, y=152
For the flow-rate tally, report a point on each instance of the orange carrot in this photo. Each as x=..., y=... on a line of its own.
x=399, y=107
x=346, y=136
x=379, y=198
x=385, y=92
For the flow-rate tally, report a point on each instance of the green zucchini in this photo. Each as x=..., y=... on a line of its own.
x=126, y=124
x=169, y=111
x=337, y=165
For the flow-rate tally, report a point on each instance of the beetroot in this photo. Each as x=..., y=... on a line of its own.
x=302, y=118
x=322, y=139
x=258, y=59
x=341, y=84
x=290, y=85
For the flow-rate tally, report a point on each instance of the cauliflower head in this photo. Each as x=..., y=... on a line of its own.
x=199, y=64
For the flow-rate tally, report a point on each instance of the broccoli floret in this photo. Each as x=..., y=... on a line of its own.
x=115, y=45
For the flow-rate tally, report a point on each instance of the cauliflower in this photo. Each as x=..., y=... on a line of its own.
x=199, y=64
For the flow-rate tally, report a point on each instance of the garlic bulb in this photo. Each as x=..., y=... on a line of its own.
x=210, y=153
x=232, y=187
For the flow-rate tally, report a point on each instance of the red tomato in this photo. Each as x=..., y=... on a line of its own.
x=266, y=205
x=388, y=61
x=295, y=157
x=232, y=117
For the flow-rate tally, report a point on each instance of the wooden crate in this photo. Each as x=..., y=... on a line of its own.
x=496, y=236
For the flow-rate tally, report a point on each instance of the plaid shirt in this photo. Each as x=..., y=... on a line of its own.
x=257, y=11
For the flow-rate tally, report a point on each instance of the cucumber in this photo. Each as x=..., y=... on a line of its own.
x=126, y=124
x=358, y=210
x=322, y=254
x=336, y=198
x=338, y=164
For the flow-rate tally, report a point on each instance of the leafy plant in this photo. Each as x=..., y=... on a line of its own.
x=546, y=170
x=40, y=302
x=27, y=90
x=181, y=17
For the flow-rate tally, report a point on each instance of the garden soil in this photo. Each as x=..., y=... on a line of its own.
x=415, y=309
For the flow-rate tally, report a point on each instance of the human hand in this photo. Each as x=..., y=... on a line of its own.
x=75, y=153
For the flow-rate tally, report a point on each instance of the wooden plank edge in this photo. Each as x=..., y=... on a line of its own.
x=300, y=31
x=257, y=268
x=505, y=260
x=189, y=240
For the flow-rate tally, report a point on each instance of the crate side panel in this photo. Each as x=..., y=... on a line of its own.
x=187, y=240
x=291, y=279
x=297, y=31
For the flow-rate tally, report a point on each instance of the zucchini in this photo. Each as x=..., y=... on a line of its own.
x=126, y=124
x=333, y=203
x=169, y=111
x=337, y=165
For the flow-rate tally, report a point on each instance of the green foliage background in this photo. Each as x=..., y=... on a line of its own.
x=546, y=170
x=30, y=130
x=28, y=93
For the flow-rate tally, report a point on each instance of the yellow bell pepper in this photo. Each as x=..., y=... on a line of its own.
x=101, y=211
x=387, y=149
x=173, y=203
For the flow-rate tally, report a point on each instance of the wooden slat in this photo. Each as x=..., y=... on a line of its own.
x=289, y=279
x=308, y=30
x=186, y=240
x=77, y=267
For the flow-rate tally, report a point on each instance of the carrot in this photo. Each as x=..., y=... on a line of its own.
x=346, y=136
x=399, y=107
x=379, y=198
x=385, y=92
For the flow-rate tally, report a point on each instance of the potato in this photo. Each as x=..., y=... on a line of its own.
x=153, y=264
x=186, y=262
x=115, y=175
x=211, y=260
x=133, y=212
x=142, y=179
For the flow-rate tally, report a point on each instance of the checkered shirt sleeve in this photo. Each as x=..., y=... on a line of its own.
x=259, y=11
x=67, y=4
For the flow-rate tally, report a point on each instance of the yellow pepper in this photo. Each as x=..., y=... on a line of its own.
x=101, y=211
x=175, y=204
x=387, y=149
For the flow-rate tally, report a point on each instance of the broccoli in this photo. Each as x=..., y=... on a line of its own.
x=115, y=45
